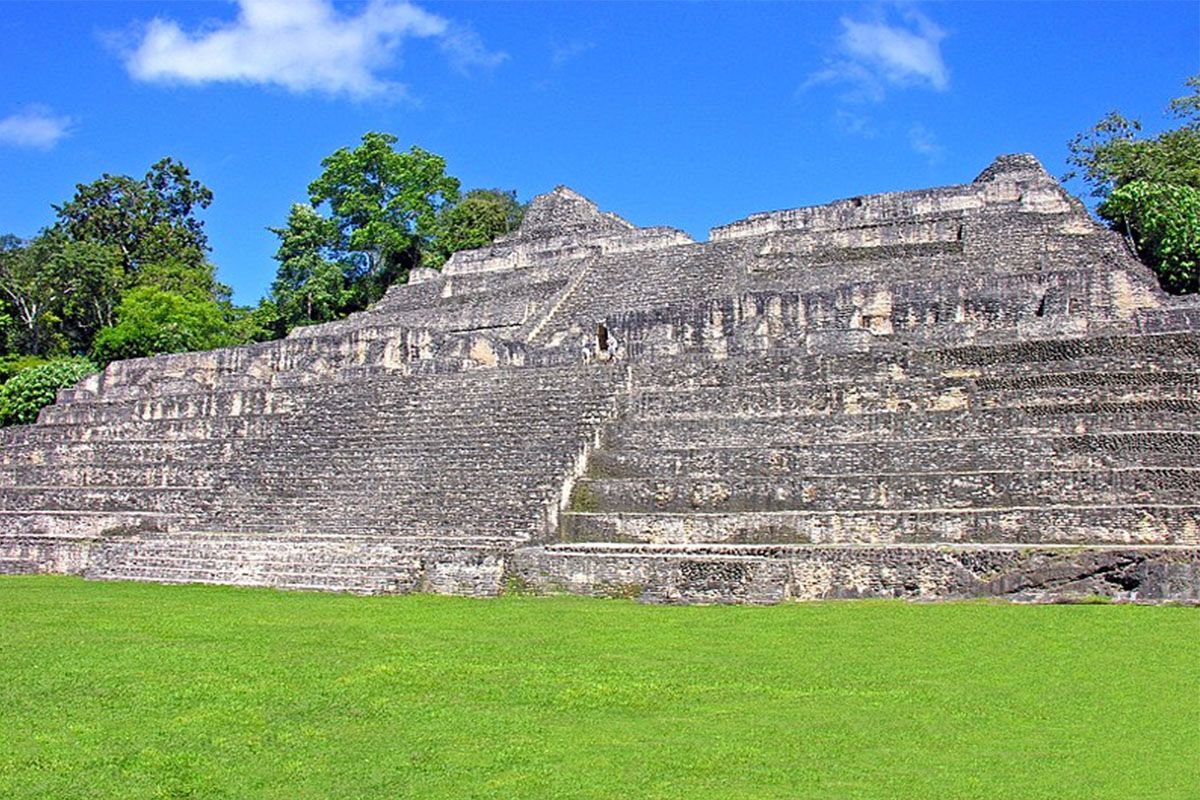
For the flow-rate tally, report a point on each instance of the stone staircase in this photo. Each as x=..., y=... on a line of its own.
x=393, y=483
x=878, y=472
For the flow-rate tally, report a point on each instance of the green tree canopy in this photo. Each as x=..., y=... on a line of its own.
x=384, y=204
x=311, y=284
x=90, y=278
x=31, y=390
x=151, y=320
x=1148, y=187
x=387, y=212
x=147, y=220
x=32, y=289
x=476, y=221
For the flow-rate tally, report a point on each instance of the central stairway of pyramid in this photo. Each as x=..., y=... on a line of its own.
x=965, y=391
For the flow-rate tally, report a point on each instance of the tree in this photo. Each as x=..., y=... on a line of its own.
x=1149, y=187
x=188, y=278
x=31, y=289
x=151, y=320
x=476, y=221
x=1164, y=221
x=311, y=285
x=147, y=220
x=385, y=206
x=388, y=212
x=90, y=279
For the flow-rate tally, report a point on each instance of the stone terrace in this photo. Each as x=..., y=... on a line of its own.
x=966, y=391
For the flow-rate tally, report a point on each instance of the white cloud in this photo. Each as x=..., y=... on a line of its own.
x=36, y=126
x=924, y=142
x=876, y=54
x=562, y=53
x=302, y=46
x=466, y=50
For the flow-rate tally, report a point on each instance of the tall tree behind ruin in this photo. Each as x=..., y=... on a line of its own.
x=1149, y=187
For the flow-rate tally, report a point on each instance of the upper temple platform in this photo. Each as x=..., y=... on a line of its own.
x=1010, y=182
x=561, y=225
x=564, y=227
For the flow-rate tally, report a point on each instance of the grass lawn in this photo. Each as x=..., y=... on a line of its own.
x=144, y=691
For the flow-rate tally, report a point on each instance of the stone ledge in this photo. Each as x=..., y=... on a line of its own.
x=1031, y=574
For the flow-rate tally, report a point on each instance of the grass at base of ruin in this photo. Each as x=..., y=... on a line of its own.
x=142, y=691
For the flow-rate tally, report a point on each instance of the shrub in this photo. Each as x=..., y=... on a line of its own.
x=151, y=321
x=1164, y=221
x=14, y=363
x=32, y=389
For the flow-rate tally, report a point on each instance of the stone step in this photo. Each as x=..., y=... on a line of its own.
x=1141, y=353
x=330, y=562
x=398, y=581
x=305, y=472
x=344, y=444
x=874, y=490
x=860, y=397
x=200, y=406
x=116, y=475
x=351, y=431
x=219, y=409
x=758, y=574
x=328, y=419
x=38, y=522
x=1150, y=448
x=472, y=404
x=20, y=566
x=450, y=526
x=1059, y=524
x=448, y=519
x=387, y=385
x=1174, y=416
x=154, y=499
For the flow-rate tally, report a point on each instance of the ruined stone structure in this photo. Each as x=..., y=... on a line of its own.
x=965, y=391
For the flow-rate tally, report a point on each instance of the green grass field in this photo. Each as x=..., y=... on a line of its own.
x=144, y=691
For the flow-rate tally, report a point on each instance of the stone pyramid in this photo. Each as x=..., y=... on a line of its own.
x=966, y=391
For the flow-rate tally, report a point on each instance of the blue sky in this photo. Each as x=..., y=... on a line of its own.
x=683, y=114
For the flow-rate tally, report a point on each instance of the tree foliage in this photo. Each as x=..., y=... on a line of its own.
x=1164, y=221
x=384, y=204
x=147, y=220
x=152, y=320
x=1148, y=186
x=91, y=279
x=476, y=221
x=387, y=212
x=32, y=389
x=312, y=283
x=32, y=286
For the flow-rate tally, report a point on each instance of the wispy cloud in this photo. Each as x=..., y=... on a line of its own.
x=301, y=46
x=851, y=122
x=35, y=127
x=560, y=54
x=874, y=55
x=924, y=142
x=467, y=52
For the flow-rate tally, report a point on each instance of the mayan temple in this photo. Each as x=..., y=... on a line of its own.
x=966, y=391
